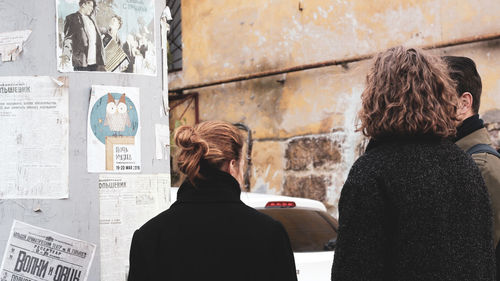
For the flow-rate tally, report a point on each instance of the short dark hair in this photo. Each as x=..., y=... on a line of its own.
x=463, y=71
x=120, y=21
x=83, y=2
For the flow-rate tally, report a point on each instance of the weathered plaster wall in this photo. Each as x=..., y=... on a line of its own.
x=227, y=37
x=303, y=123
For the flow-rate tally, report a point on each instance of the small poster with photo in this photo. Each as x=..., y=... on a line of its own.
x=106, y=36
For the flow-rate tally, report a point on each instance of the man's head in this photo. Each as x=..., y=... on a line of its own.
x=115, y=23
x=87, y=7
x=463, y=71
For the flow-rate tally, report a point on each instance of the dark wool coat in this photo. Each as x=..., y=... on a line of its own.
x=209, y=234
x=76, y=36
x=414, y=209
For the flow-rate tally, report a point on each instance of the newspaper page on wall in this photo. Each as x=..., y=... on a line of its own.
x=34, y=138
x=126, y=203
x=106, y=36
x=113, y=130
x=38, y=254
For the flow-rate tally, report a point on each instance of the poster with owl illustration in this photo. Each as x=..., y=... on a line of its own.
x=113, y=131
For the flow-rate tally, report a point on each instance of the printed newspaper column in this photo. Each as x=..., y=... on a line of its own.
x=113, y=130
x=34, y=138
x=38, y=254
x=126, y=203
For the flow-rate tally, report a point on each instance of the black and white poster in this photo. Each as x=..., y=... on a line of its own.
x=106, y=36
x=38, y=254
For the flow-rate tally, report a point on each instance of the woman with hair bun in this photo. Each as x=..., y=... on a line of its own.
x=414, y=206
x=208, y=233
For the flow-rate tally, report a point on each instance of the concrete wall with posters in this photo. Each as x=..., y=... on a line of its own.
x=77, y=216
x=303, y=122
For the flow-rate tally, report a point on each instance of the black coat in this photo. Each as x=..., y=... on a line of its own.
x=75, y=37
x=209, y=234
x=414, y=209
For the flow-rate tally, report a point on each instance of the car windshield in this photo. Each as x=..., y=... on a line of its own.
x=309, y=230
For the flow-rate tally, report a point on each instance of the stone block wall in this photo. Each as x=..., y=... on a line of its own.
x=311, y=162
x=316, y=166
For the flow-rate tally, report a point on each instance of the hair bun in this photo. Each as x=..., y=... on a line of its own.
x=212, y=143
x=192, y=149
x=186, y=138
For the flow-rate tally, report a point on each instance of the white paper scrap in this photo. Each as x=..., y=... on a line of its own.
x=162, y=134
x=11, y=44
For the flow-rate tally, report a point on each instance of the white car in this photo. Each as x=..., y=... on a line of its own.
x=312, y=231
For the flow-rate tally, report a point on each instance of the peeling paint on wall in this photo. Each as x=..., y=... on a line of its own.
x=316, y=108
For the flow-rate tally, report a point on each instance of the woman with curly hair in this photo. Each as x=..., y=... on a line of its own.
x=414, y=206
x=208, y=233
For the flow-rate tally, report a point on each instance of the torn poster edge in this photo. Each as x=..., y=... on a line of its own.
x=12, y=43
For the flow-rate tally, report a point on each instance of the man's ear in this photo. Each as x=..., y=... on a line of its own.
x=465, y=104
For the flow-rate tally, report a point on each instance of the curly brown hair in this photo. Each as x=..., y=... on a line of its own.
x=408, y=93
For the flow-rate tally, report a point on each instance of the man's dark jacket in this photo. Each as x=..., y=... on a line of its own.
x=414, y=209
x=472, y=132
x=209, y=234
x=77, y=40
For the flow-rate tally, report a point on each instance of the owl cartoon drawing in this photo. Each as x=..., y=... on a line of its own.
x=117, y=114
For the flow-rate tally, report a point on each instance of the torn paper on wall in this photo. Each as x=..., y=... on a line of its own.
x=126, y=203
x=162, y=134
x=113, y=130
x=38, y=254
x=34, y=138
x=11, y=44
x=166, y=16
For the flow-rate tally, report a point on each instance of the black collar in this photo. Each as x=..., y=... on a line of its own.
x=397, y=139
x=469, y=126
x=218, y=186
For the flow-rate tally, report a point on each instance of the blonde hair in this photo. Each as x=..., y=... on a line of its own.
x=211, y=143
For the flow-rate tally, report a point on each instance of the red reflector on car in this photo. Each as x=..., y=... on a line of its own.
x=280, y=204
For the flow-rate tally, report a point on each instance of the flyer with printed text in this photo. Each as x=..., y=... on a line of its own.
x=113, y=130
x=34, y=138
x=38, y=254
x=126, y=203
